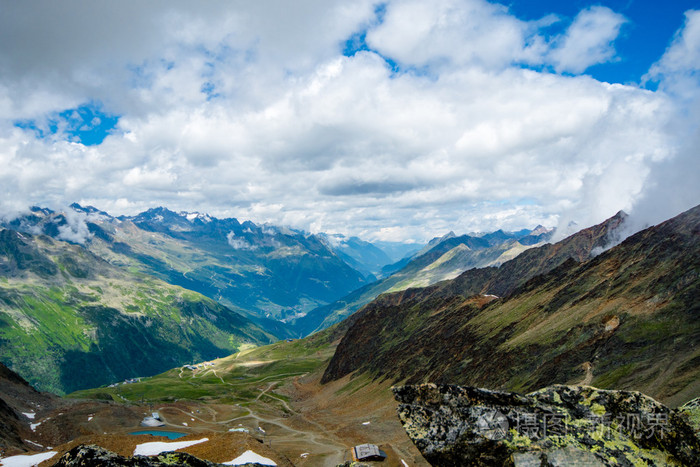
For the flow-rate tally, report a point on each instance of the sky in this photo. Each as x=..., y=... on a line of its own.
x=397, y=120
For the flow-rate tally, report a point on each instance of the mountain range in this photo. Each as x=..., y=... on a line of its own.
x=265, y=272
x=125, y=296
x=443, y=258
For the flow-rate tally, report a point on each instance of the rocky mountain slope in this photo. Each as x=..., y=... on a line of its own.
x=70, y=320
x=31, y=420
x=16, y=397
x=442, y=259
x=625, y=319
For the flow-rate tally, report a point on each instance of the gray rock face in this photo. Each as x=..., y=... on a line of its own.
x=555, y=426
x=95, y=456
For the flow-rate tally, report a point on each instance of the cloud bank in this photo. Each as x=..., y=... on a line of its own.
x=387, y=121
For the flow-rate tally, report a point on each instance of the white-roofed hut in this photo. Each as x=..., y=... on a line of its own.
x=367, y=452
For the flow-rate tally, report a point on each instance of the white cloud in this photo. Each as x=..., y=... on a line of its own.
x=678, y=69
x=250, y=110
x=456, y=32
x=238, y=243
x=75, y=230
x=588, y=41
x=672, y=186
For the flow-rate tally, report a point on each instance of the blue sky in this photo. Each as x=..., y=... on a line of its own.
x=651, y=25
x=87, y=124
x=394, y=120
x=646, y=34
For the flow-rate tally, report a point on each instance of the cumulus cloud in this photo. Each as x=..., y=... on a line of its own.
x=447, y=120
x=588, y=41
x=456, y=32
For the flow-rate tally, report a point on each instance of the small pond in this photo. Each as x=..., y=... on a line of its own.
x=168, y=434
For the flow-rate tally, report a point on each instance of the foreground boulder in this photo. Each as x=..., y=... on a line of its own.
x=555, y=426
x=95, y=456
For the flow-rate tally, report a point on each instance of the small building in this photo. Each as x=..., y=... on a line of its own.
x=367, y=452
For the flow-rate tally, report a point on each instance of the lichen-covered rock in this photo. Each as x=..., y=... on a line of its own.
x=691, y=411
x=555, y=426
x=95, y=456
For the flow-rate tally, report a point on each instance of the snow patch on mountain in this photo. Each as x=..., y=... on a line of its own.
x=192, y=216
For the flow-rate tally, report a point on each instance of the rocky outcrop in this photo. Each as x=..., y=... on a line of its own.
x=95, y=456
x=555, y=426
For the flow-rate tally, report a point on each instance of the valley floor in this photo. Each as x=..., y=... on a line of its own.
x=273, y=393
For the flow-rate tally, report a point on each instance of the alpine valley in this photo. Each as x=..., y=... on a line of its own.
x=263, y=338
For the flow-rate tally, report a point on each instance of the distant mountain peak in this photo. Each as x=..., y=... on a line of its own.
x=88, y=210
x=159, y=210
x=539, y=230
x=438, y=240
x=158, y=214
x=79, y=208
x=620, y=215
x=39, y=209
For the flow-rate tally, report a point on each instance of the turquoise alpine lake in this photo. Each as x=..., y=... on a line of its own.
x=168, y=434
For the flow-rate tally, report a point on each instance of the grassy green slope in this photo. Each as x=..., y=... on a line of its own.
x=70, y=320
x=233, y=379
